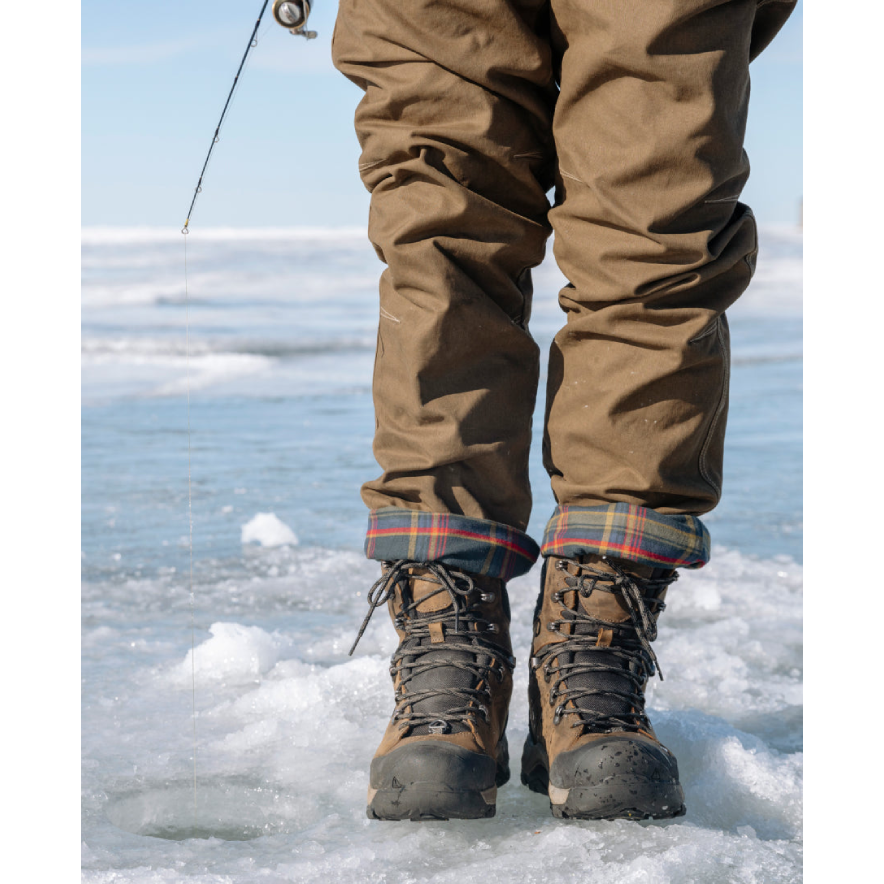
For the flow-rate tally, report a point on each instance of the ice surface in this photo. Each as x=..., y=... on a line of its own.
x=268, y=530
x=286, y=722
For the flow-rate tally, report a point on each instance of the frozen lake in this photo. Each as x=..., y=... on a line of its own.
x=282, y=342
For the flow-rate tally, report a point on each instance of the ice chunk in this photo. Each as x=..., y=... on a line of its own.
x=268, y=530
x=234, y=653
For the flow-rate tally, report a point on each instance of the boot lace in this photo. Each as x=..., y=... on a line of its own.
x=625, y=665
x=414, y=659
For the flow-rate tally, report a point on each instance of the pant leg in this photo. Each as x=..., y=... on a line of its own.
x=455, y=130
x=656, y=245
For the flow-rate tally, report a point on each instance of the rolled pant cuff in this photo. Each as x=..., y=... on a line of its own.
x=627, y=531
x=475, y=545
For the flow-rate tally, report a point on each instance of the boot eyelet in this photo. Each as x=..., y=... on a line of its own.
x=487, y=597
x=552, y=695
x=557, y=717
x=558, y=597
x=492, y=627
x=553, y=626
x=561, y=565
x=484, y=711
x=535, y=663
x=547, y=674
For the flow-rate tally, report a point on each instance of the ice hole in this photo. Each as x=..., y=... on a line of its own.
x=228, y=811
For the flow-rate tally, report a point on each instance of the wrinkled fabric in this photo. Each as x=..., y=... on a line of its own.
x=635, y=113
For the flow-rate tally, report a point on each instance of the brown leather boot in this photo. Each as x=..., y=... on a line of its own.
x=590, y=746
x=444, y=752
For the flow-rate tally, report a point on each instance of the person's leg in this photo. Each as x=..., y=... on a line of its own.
x=654, y=242
x=455, y=129
x=655, y=245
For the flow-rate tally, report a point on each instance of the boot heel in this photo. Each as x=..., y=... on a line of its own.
x=535, y=773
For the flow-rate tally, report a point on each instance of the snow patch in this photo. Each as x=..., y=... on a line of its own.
x=235, y=653
x=268, y=530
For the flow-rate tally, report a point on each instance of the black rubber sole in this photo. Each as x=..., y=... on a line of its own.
x=417, y=803
x=618, y=798
x=642, y=802
x=433, y=780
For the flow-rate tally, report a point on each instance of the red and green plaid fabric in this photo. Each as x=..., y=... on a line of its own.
x=622, y=530
x=474, y=545
x=627, y=531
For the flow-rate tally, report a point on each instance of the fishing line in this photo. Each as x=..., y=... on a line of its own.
x=190, y=526
x=292, y=15
x=197, y=190
x=251, y=44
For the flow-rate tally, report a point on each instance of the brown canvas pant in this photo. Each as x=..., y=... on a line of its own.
x=635, y=111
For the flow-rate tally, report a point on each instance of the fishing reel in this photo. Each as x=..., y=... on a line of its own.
x=292, y=15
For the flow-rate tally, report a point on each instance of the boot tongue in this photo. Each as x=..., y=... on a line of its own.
x=431, y=597
x=601, y=602
x=439, y=678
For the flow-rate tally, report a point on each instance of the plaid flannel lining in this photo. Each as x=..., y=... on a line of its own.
x=627, y=531
x=474, y=545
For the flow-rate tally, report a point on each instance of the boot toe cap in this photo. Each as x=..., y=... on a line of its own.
x=435, y=762
x=432, y=780
x=614, y=758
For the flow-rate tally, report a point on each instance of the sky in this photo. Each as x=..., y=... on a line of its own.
x=154, y=81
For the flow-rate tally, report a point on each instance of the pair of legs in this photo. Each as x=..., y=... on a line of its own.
x=635, y=113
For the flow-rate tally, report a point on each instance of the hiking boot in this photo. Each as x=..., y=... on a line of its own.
x=590, y=746
x=444, y=752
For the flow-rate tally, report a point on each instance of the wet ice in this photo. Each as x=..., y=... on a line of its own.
x=286, y=722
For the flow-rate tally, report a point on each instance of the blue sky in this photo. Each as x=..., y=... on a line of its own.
x=154, y=80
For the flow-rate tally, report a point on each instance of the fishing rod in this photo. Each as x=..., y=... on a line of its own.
x=292, y=15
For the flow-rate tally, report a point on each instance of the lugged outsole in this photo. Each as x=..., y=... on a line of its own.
x=426, y=804
x=641, y=802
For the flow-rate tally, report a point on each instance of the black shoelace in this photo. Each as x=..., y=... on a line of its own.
x=620, y=670
x=471, y=652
